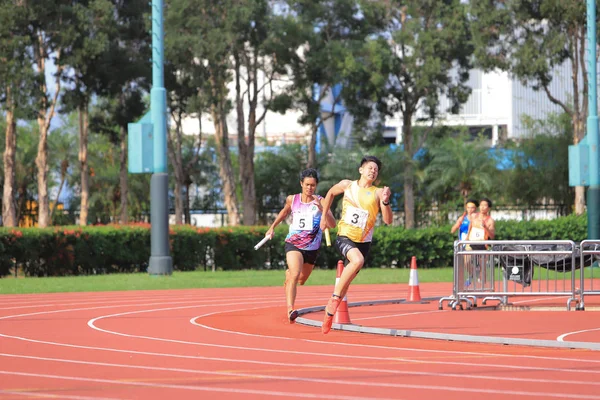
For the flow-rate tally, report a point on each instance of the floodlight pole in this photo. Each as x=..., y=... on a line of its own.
x=161, y=262
x=593, y=192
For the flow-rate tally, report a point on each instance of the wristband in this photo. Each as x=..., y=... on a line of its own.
x=385, y=204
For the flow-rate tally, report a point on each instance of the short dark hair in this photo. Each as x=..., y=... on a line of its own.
x=487, y=201
x=374, y=159
x=309, y=173
x=472, y=201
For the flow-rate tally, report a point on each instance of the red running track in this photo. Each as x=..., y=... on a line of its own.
x=237, y=344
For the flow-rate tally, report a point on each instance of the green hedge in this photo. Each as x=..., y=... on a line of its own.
x=116, y=248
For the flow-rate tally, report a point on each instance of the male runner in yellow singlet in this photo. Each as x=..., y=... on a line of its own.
x=360, y=205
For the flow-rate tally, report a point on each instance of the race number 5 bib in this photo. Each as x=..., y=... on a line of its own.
x=477, y=234
x=356, y=217
x=302, y=221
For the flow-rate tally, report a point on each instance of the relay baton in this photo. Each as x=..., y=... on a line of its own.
x=327, y=237
x=265, y=239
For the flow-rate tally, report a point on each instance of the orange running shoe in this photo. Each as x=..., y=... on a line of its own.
x=332, y=306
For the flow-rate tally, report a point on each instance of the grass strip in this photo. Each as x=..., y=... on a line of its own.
x=205, y=279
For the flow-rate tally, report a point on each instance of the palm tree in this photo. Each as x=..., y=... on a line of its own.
x=460, y=164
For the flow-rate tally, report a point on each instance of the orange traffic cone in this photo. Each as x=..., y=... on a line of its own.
x=341, y=315
x=414, y=294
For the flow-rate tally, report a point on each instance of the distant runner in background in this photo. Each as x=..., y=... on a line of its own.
x=463, y=222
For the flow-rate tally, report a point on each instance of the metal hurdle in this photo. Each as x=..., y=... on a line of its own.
x=512, y=268
x=589, y=257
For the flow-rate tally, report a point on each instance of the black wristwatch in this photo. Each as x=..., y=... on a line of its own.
x=385, y=204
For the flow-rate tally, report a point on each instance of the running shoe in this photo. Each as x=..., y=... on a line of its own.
x=292, y=315
x=332, y=306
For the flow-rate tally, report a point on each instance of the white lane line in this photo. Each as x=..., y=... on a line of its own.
x=197, y=388
x=194, y=321
x=461, y=389
x=52, y=396
x=328, y=343
x=311, y=364
x=563, y=336
x=92, y=322
x=293, y=366
x=119, y=302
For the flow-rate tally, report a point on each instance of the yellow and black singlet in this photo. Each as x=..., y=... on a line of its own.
x=359, y=213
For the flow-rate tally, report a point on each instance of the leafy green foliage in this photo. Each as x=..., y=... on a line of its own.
x=541, y=167
x=277, y=176
x=460, y=166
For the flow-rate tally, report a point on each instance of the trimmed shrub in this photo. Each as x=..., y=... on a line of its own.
x=91, y=250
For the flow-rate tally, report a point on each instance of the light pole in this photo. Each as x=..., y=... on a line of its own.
x=161, y=262
x=593, y=192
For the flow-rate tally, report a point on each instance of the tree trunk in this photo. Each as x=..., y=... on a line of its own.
x=225, y=167
x=409, y=197
x=63, y=177
x=175, y=155
x=124, y=218
x=83, y=161
x=178, y=202
x=248, y=188
x=246, y=151
x=41, y=162
x=44, y=118
x=9, y=217
x=186, y=203
x=312, y=147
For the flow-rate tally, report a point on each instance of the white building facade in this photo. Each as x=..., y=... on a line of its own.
x=498, y=103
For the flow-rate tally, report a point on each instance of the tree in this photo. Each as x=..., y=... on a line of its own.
x=124, y=71
x=110, y=117
x=203, y=29
x=25, y=169
x=92, y=29
x=460, y=165
x=184, y=153
x=428, y=55
x=327, y=33
x=530, y=40
x=540, y=162
x=49, y=30
x=15, y=92
x=260, y=53
x=61, y=144
x=182, y=80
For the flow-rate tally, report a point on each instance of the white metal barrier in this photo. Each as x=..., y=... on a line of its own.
x=497, y=270
x=589, y=283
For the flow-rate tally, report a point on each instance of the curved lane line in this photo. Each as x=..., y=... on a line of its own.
x=563, y=336
x=313, y=341
x=91, y=323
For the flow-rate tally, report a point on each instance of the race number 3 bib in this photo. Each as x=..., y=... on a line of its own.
x=477, y=234
x=302, y=221
x=356, y=217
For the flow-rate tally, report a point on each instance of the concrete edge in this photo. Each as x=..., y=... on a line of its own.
x=436, y=335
